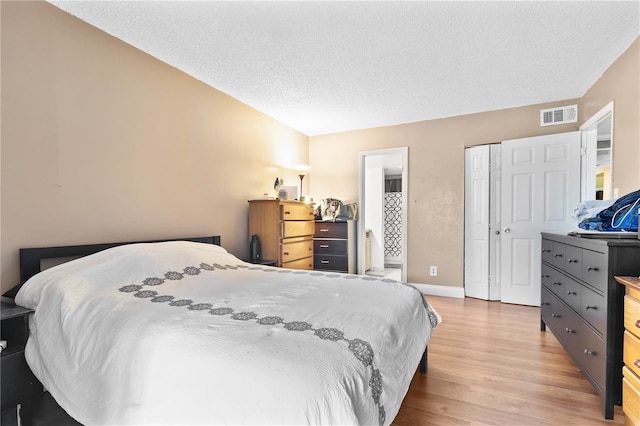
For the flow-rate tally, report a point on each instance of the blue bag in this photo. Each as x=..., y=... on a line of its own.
x=621, y=216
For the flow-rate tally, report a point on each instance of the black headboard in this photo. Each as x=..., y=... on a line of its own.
x=30, y=258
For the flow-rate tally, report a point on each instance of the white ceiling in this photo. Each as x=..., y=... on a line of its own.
x=325, y=67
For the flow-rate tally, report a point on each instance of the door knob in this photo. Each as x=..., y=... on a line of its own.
x=506, y=230
x=497, y=232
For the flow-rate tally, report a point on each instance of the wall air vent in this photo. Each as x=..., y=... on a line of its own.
x=562, y=115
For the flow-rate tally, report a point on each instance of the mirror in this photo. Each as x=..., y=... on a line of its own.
x=603, y=159
x=597, y=158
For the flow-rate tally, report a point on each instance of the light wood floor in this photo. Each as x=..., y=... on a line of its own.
x=489, y=364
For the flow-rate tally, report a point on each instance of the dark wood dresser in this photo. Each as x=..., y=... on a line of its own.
x=334, y=246
x=581, y=303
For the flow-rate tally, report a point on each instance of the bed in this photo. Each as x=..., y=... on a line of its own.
x=183, y=332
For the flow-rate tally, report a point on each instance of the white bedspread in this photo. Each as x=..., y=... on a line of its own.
x=185, y=333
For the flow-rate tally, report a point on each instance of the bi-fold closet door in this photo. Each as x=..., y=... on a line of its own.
x=482, y=221
x=513, y=192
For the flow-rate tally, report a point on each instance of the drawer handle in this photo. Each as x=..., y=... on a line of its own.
x=593, y=268
x=573, y=260
x=568, y=330
x=572, y=293
x=310, y=248
x=324, y=245
x=287, y=212
x=545, y=303
x=326, y=262
x=557, y=255
x=555, y=315
x=546, y=276
x=324, y=230
x=546, y=251
x=595, y=308
x=286, y=253
x=588, y=352
x=638, y=323
x=557, y=283
x=637, y=363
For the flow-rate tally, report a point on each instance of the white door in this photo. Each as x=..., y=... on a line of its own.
x=495, y=221
x=541, y=187
x=476, y=220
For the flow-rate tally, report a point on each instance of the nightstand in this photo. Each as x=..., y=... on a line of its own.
x=334, y=246
x=18, y=382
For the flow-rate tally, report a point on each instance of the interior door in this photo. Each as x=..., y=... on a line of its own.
x=541, y=187
x=476, y=220
x=495, y=221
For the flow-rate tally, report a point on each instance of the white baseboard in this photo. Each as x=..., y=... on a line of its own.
x=440, y=290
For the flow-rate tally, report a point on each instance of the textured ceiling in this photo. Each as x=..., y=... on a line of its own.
x=324, y=67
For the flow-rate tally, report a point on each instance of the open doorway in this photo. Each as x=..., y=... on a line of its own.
x=382, y=225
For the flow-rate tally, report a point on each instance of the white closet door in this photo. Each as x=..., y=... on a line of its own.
x=476, y=219
x=495, y=222
x=541, y=187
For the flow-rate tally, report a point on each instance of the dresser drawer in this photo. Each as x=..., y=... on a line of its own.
x=573, y=293
x=297, y=250
x=632, y=315
x=631, y=355
x=631, y=396
x=547, y=251
x=547, y=275
x=336, y=247
x=594, y=309
x=296, y=211
x=554, y=314
x=573, y=265
x=306, y=264
x=588, y=350
x=558, y=255
x=292, y=228
x=331, y=230
x=558, y=283
x=331, y=263
x=594, y=269
x=17, y=380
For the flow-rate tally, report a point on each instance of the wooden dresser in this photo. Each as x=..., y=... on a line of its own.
x=334, y=246
x=631, y=350
x=285, y=229
x=581, y=303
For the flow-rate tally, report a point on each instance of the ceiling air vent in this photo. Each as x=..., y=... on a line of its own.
x=562, y=115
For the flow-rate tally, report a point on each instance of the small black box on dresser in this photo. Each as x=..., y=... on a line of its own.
x=17, y=381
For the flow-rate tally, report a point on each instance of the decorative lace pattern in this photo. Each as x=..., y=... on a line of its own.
x=361, y=349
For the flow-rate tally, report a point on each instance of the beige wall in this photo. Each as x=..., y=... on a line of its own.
x=436, y=163
x=436, y=177
x=621, y=84
x=101, y=142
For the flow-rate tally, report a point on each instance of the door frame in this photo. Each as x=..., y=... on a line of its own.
x=588, y=142
x=404, y=152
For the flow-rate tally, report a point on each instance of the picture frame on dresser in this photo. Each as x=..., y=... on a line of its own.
x=582, y=305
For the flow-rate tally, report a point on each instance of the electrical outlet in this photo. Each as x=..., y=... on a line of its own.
x=433, y=271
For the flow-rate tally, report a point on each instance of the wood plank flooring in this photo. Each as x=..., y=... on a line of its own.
x=489, y=364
